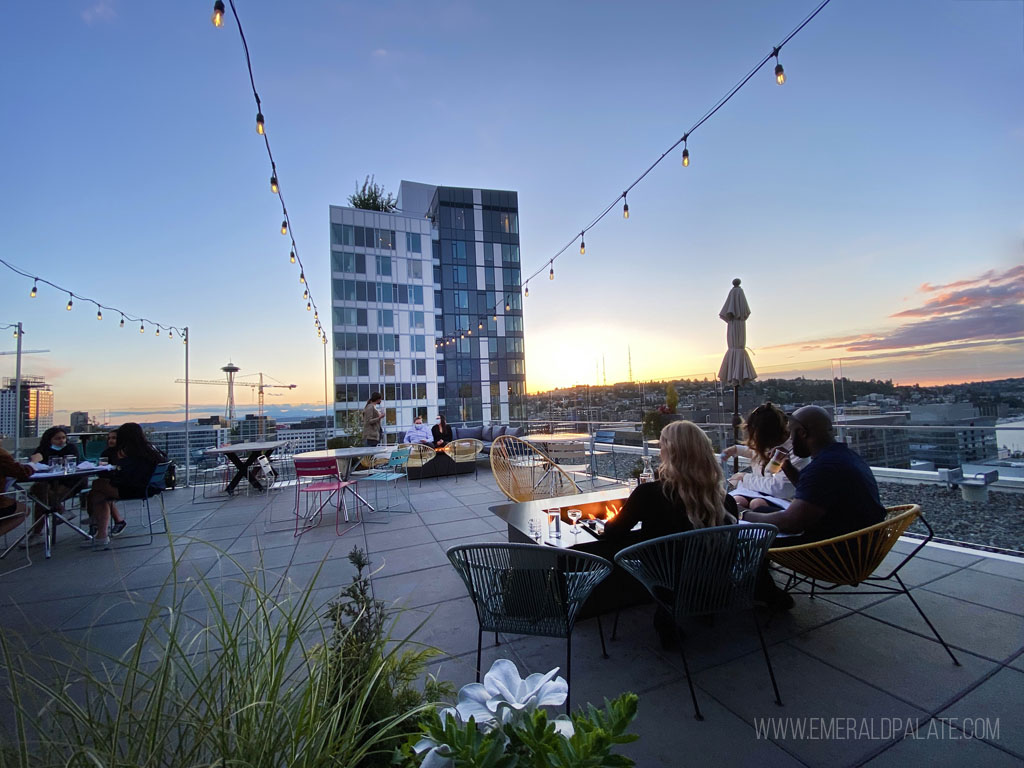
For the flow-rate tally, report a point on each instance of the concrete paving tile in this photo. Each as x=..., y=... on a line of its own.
x=954, y=751
x=1010, y=569
x=999, y=699
x=119, y=607
x=451, y=627
x=483, y=538
x=419, y=588
x=336, y=572
x=407, y=559
x=907, y=666
x=975, y=628
x=916, y=572
x=671, y=737
x=435, y=516
x=384, y=540
x=982, y=588
x=459, y=529
x=951, y=556
x=812, y=692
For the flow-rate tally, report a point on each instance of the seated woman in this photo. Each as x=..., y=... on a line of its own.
x=135, y=460
x=441, y=432
x=110, y=454
x=12, y=514
x=53, y=443
x=766, y=430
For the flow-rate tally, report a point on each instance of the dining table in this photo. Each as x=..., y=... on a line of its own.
x=348, y=456
x=59, y=485
x=243, y=456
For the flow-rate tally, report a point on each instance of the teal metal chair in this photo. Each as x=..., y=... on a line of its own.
x=529, y=589
x=711, y=570
x=394, y=473
x=157, y=485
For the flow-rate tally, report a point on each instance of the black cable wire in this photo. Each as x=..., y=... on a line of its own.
x=98, y=305
x=706, y=116
x=273, y=170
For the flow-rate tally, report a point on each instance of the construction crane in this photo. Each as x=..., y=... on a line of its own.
x=230, y=369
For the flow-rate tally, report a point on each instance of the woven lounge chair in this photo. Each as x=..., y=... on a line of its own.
x=464, y=451
x=852, y=559
x=524, y=473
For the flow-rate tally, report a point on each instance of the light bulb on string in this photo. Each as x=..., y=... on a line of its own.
x=284, y=227
x=302, y=277
x=309, y=307
x=259, y=123
x=122, y=321
x=780, y=73
x=99, y=314
x=32, y=293
x=157, y=331
x=686, y=152
x=508, y=305
x=583, y=245
x=273, y=183
x=305, y=294
x=551, y=272
x=291, y=258
x=68, y=307
x=142, y=327
x=495, y=317
x=625, y=207
x=218, y=14
x=480, y=326
x=170, y=334
x=526, y=291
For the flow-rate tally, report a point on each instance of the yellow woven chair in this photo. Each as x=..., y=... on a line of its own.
x=464, y=450
x=419, y=455
x=524, y=473
x=852, y=559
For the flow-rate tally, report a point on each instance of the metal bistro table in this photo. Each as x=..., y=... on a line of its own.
x=348, y=455
x=51, y=506
x=244, y=468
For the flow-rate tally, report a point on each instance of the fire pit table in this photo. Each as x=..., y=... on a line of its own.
x=619, y=589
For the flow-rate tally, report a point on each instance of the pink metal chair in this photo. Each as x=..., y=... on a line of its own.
x=329, y=482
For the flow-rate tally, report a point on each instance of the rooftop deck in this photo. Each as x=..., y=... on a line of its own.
x=870, y=676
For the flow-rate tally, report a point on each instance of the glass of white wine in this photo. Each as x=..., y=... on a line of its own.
x=574, y=516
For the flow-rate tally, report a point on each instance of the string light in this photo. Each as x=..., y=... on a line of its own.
x=259, y=123
x=284, y=227
x=99, y=314
x=305, y=294
x=302, y=277
x=780, y=73
x=686, y=151
x=157, y=331
x=583, y=246
x=508, y=305
x=32, y=293
x=309, y=307
x=122, y=321
x=142, y=327
x=273, y=184
x=551, y=272
x=218, y=13
x=526, y=290
x=292, y=257
x=68, y=307
x=625, y=207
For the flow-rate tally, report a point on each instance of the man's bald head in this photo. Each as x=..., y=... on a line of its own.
x=810, y=428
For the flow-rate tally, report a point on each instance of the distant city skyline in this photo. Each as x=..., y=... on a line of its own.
x=871, y=205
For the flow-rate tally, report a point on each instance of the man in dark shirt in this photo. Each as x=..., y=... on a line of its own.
x=835, y=494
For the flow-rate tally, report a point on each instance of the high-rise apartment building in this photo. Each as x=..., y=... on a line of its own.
x=427, y=307
x=79, y=421
x=36, y=406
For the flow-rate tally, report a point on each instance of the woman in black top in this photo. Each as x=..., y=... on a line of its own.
x=54, y=442
x=441, y=432
x=135, y=461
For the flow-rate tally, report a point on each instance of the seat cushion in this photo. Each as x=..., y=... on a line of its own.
x=462, y=432
x=493, y=431
x=515, y=431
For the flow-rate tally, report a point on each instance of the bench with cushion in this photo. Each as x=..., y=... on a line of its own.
x=487, y=434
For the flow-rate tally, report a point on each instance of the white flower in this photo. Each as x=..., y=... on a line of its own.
x=439, y=755
x=504, y=697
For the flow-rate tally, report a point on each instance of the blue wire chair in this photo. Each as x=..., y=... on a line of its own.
x=711, y=570
x=529, y=589
x=156, y=486
x=394, y=472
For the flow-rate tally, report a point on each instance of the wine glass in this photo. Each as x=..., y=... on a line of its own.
x=574, y=515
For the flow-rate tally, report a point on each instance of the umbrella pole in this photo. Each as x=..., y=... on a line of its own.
x=736, y=425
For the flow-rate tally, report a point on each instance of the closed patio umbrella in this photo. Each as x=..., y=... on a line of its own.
x=736, y=368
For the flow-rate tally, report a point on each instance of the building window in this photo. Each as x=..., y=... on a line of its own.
x=419, y=367
x=413, y=243
x=415, y=268
x=417, y=344
x=415, y=319
x=385, y=318
x=461, y=299
x=384, y=266
x=513, y=323
x=387, y=367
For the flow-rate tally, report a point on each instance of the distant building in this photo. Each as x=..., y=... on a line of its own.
x=172, y=442
x=79, y=421
x=300, y=440
x=36, y=406
x=213, y=421
x=254, y=427
x=866, y=433
x=968, y=437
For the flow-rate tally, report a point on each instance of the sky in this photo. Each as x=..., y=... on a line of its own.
x=873, y=206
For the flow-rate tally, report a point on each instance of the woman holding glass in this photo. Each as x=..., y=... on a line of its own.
x=767, y=433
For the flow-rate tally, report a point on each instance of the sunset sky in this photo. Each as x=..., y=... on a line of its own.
x=873, y=206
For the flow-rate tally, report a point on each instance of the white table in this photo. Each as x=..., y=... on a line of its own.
x=244, y=468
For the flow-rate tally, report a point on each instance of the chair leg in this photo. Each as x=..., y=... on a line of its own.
x=600, y=632
x=689, y=680
x=615, y=626
x=479, y=649
x=767, y=659
x=926, y=620
x=496, y=640
x=568, y=670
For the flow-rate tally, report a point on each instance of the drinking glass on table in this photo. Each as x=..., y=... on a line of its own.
x=535, y=528
x=775, y=464
x=57, y=464
x=574, y=516
x=70, y=464
x=554, y=522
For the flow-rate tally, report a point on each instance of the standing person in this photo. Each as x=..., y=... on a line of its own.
x=53, y=443
x=441, y=432
x=766, y=431
x=135, y=461
x=418, y=433
x=372, y=417
x=835, y=494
